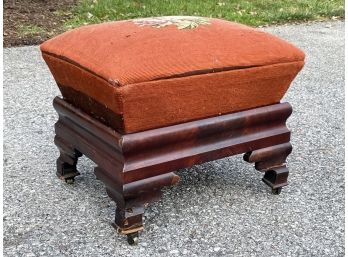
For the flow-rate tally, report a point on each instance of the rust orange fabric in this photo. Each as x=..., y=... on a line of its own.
x=159, y=76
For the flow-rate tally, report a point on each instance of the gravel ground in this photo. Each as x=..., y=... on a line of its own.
x=219, y=208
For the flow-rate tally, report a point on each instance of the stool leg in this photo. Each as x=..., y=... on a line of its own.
x=271, y=161
x=276, y=178
x=67, y=161
x=129, y=214
x=132, y=198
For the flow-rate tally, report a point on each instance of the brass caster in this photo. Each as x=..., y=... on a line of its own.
x=276, y=191
x=69, y=180
x=133, y=238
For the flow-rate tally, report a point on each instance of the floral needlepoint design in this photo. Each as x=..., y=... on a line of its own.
x=182, y=22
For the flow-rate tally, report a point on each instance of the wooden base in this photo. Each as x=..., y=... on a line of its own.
x=135, y=167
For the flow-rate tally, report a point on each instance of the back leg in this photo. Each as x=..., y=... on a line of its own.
x=67, y=161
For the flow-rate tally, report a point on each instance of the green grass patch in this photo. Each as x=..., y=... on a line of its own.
x=31, y=30
x=252, y=12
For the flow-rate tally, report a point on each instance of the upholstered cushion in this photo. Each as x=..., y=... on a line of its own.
x=141, y=74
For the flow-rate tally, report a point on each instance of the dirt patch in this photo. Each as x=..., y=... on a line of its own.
x=30, y=22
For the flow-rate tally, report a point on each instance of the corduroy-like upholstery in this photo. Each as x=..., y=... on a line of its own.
x=142, y=74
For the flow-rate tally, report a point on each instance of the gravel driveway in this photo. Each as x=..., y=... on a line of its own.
x=219, y=208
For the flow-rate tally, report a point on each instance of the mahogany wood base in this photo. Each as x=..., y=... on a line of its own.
x=135, y=167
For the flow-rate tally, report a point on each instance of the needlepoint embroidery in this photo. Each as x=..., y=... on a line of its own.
x=181, y=22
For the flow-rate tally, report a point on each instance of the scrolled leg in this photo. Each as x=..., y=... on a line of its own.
x=129, y=220
x=272, y=161
x=132, y=198
x=276, y=178
x=67, y=161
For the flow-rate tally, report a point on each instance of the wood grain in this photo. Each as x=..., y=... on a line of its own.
x=135, y=167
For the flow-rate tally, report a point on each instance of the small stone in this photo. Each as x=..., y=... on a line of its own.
x=216, y=249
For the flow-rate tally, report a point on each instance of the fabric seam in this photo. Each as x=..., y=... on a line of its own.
x=117, y=84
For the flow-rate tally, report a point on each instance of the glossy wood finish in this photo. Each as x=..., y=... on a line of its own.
x=134, y=167
x=272, y=161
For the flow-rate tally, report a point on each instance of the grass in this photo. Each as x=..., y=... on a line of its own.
x=252, y=12
x=31, y=30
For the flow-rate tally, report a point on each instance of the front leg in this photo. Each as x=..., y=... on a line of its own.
x=132, y=198
x=272, y=161
x=130, y=212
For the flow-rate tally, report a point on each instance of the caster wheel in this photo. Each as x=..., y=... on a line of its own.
x=276, y=191
x=69, y=180
x=133, y=238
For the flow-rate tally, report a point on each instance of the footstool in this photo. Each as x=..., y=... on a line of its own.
x=145, y=97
